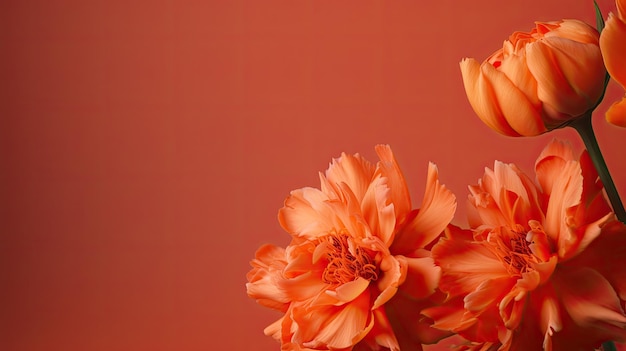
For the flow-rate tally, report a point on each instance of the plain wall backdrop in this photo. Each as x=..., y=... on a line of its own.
x=146, y=147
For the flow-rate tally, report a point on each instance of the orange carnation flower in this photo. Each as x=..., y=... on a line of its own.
x=355, y=243
x=613, y=46
x=544, y=265
x=538, y=80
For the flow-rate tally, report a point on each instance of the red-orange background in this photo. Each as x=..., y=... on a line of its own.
x=145, y=147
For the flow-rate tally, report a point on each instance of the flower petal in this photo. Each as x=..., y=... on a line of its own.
x=616, y=114
x=556, y=63
x=465, y=264
x=388, y=167
x=265, y=278
x=422, y=277
x=520, y=113
x=332, y=328
x=481, y=95
x=306, y=213
x=438, y=207
x=613, y=49
x=591, y=301
x=353, y=170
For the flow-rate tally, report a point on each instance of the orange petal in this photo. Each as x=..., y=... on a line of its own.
x=438, y=207
x=389, y=168
x=613, y=49
x=265, y=278
x=382, y=332
x=520, y=113
x=273, y=329
x=575, y=30
x=422, y=277
x=551, y=162
x=591, y=301
x=333, y=327
x=566, y=191
x=379, y=210
x=616, y=114
x=516, y=70
x=487, y=294
x=307, y=213
x=393, y=273
x=556, y=64
x=482, y=97
x=465, y=264
x=353, y=170
x=550, y=320
x=349, y=291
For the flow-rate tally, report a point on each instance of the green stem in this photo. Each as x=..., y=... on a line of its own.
x=585, y=130
x=608, y=346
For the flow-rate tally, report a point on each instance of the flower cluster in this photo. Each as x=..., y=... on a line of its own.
x=542, y=263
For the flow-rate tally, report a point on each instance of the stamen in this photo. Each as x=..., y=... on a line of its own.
x=347, y=262
x=512, y=249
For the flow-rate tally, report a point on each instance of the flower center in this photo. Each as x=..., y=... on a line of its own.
x=511, y=246
x=347, y=261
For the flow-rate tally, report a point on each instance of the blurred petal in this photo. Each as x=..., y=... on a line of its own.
x=613, y=49
x=590, y=300
x=616, y=114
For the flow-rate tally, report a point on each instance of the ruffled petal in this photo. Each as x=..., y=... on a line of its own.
x=353, y=170
x=264, y=280
x=465, y=264
x=331, y=326
x=422, y=277
x=438, y=207
x=307, y=213
x=399, y=192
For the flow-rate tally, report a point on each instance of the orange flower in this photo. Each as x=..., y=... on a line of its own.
x=612, y=44
x=544, y=264
x=355, y=243
x=538, y=80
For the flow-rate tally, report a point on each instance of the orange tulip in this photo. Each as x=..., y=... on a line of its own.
x=542, y=268
x=357, y=261
x=539, y=80
x=613, y=46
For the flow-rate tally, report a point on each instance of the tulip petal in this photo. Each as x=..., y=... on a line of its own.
x=481, y=96
x=520, y=113
x=613, y=49
x=557, y=64
x=616, y=114
x=516, y=70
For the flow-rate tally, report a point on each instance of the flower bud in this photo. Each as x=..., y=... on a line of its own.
x=539, y=80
